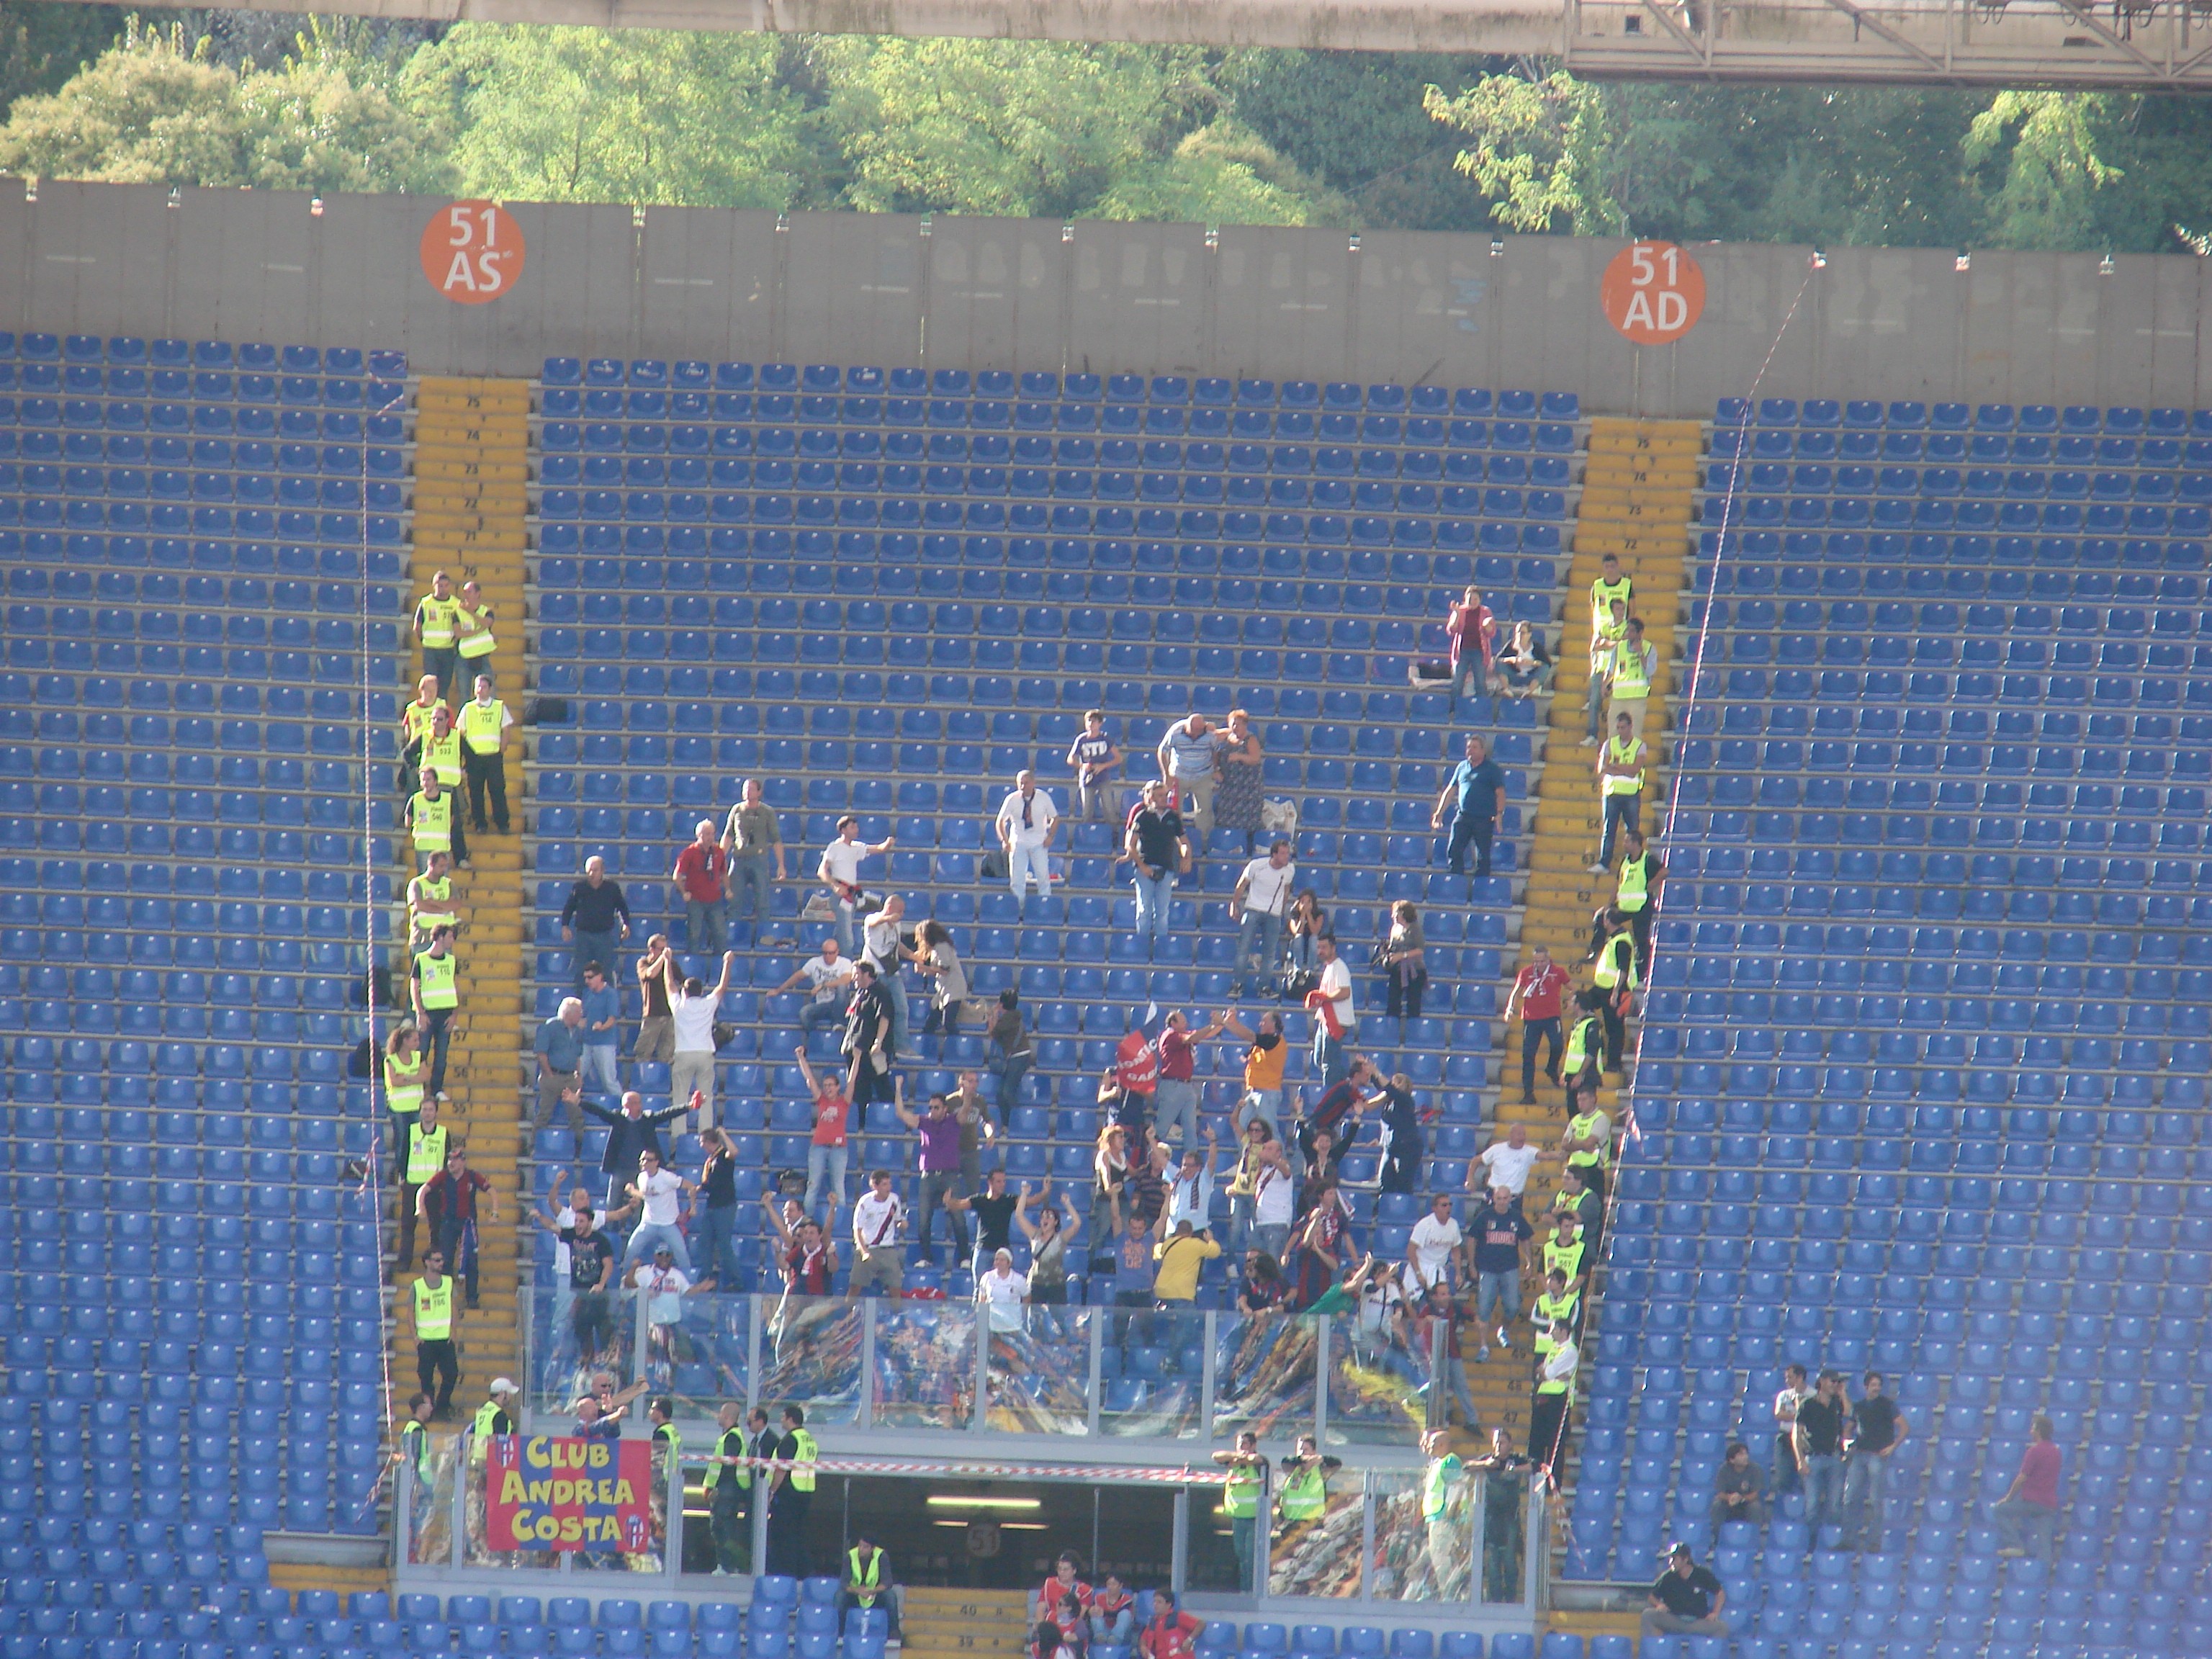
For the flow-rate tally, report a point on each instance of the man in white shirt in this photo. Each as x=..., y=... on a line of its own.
x=1026, y=823
x=1555, y=1393
x=1274, y=1201
x=880, y=944
x=840, y=872
x=1434, y=1248
x=829, y=979
x=658, y=1193
x=877, y=1218
x=1505, y=1164
x=1190, y=1192
x=1332, y=1047
x=1258, y=905
x=1002, y=1292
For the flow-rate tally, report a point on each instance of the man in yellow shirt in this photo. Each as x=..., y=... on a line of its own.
x=436, y=615
x=1181, y=1255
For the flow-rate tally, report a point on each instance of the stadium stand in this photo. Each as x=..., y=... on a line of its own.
x=887, y=592
x=194, y=1330
x=1923, y=1089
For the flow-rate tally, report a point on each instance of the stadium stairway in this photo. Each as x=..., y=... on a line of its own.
x=1636, y=502
x=964, y=1624
x=470, y=460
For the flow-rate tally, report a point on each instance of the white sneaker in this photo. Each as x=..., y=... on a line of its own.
x=443, y=1097
x=719, y=1572
x=1482, y=1355
x=1504, y=1341
x=1589, y=742
x=1594, y=869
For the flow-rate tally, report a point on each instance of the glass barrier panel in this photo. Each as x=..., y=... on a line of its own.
x=1264, y=1369
x=1039, y=1372
x=1152, y=1373
x=1417, y=1558
x=1504, y=1534
x=810, y=1355
x=1378, y=1374
x=1315, y=1548
x=718, y=1525
x=430, y=1516
x=652, y=1557
x=580, y=1340
x=699, y=1357
x=925, y=1365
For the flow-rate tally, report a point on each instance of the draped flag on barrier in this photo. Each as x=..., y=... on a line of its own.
x=545, y=1491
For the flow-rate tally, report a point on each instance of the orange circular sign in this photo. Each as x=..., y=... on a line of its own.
x=1652, y=292
x=472, y=251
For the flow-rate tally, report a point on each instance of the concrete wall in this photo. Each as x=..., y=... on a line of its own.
x=1031, y=294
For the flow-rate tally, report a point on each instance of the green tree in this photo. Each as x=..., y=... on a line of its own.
x=615, y=115
x=1222, y=174
x=1542, y=152
x=1013, y=127
x=2047, y=143
x=41, y=46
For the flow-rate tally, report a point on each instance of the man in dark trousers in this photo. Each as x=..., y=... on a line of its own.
x=1472, y=795
x=791, y=1494
x=631, y=1130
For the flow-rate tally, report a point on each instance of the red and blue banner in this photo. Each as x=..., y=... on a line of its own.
x=548, y=1493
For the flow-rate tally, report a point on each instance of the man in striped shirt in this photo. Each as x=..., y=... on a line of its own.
x=1189, y=751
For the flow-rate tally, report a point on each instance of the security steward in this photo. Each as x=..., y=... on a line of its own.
x=422, y=1155
x=1302, y=1485
x=433, y=823
x=729, y=1482
x=435, y=614
x=1614, y=973
x=484, y=722
x=1636, y=894
x=1242, y=1496
x=497, y=1416
x=1585, y=1043
x=791, y=1494
x=430, y=901
x=867, y=1581
x=437, y=1362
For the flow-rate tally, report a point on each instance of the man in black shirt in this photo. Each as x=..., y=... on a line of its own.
x=993, y=1210
x=1686, y=1600
x=596, y=917
x=1879, y=1429
x=591, y=1265
x=1155, y=845
x=1820, y=1422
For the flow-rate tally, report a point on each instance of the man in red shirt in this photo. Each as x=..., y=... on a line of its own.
x=1171, y=1634
x=448, y=1201
x=700, y=870
x=1536, y=991
x=2030, y=1505
x=1176, y=1094
x=1067, y=1580
x=1135, y=1080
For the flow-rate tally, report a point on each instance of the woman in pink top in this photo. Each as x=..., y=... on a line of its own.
x=825, y=1156
x=1473, y=631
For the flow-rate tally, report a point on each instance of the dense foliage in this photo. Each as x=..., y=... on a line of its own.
x=1413, y=141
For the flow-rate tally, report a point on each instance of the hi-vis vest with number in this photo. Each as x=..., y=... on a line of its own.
x=724, y=1447
x=803, y=1450
x=1616, y=963
x=483, y=1425
x=1549, y=1308
x=1559, y=1385
x=474, y=631
x=863, y=1580
x=1305, y=1494
x=1582, y=1126
x=437, y=973
x=433, y=1311
x=426, y=1153
x=430, y=823
x=1635, y=890
x=403, y=1083
x=1616, y=783
x=1629, y=679
x=437, y=616
x=443, y=755
x=481, y=723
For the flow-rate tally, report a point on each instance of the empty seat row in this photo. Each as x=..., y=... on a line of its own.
x=2009, y=517
x=85, y=348
x=827, y=378
x=1771, y=445
x=1912, y=416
